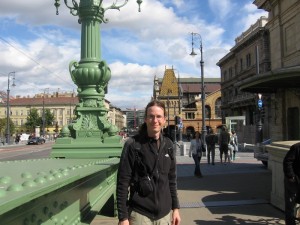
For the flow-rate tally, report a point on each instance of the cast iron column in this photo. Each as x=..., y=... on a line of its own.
x=204, y=131
x=7, y=106
x=90, y=74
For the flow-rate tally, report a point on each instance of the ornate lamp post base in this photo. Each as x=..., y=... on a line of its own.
x=91, y=134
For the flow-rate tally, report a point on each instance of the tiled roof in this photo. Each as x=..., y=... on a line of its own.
x=196, y=80
x=196, y=88
x=39, y=101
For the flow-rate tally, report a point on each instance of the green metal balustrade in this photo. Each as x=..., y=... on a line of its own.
x=78, y=181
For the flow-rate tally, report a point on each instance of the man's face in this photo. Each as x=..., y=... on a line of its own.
x=155, y=120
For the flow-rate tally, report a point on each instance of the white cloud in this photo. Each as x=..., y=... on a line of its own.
x=136, y=45
x=251, y=15
x=220, y=8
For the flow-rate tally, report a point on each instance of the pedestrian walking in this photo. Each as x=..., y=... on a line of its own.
x=147, y=173
x=224, y=140
x=291, y=169
x=211, y=140
x=196, y=152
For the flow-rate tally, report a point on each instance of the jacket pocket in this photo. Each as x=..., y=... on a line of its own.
x=165, y=164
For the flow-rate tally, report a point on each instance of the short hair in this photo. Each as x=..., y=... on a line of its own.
x=224, y=128
x=197, y=132
x=155, y=103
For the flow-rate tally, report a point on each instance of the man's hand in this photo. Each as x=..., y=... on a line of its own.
x=292, y=180
x=176, y=217
x=124, y=222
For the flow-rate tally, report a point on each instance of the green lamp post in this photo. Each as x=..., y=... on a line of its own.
x=91, y=134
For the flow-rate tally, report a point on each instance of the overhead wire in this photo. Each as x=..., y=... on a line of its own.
x=35, y=61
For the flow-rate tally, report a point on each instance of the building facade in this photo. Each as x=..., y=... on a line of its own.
x=248, y=58
x=134, y=118
x=61, y=105
x=182, y=98
x=275, y=76
x=282, y=82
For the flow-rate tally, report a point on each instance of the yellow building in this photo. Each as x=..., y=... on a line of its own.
x=61, y=105
x=182, y=98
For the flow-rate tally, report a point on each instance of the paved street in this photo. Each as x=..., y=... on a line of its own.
x=236, y=193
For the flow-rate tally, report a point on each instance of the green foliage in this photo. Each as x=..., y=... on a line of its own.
x=49, y=118
x=3, y=122
x=34, y=119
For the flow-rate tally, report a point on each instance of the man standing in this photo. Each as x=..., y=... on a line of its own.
x=291, y=169
x=148, y=170
x=211, y=140
x=224, y=140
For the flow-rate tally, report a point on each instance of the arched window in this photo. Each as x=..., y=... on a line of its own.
x=207, y=112
x=218, y=104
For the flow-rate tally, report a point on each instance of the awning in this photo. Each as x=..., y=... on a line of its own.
x=271, y=81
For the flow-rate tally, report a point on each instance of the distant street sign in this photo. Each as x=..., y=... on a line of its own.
x=260, y=103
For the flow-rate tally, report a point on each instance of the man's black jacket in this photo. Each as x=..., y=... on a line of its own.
x=291, y=162
x=164, y=198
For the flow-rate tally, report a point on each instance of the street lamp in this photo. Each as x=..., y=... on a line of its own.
x=7, y=106
x=202, y=83
x=44, y=116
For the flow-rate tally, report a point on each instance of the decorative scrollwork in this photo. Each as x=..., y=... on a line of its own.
x=74, y=8
x=101, y=10
x=90, y=103
x=72, y=64
x=89, y=122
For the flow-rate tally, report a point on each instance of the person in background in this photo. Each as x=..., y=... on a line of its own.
x=291, y=170
x=211, y=140
x=196, y=153
x=234, y=143
x=224, y=140
x=148, y=153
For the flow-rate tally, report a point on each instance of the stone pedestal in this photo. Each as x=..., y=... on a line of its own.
x=277, y=152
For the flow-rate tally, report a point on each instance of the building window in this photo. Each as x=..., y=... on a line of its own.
x=218, y=104
x=225, y=75
x=190, y=116
x=207, y=112
x=241, y=64
x=248, y=60
x=17, y=112
x=235, y=69
x=230, y=72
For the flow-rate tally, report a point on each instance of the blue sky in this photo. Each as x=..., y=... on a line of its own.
x=38, y=44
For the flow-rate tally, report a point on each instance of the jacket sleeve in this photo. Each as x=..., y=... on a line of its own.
x=124, y=177
x=173, y=184
x=288, y=162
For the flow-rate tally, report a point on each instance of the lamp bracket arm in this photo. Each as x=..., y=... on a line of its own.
x=74, y=8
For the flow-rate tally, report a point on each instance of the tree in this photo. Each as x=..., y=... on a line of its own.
x=49, y=118
x=3, y=126
x=33, y=120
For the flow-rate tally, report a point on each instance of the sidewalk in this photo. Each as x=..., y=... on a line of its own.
x=236, y=193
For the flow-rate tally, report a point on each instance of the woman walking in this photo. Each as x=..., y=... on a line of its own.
x=196, y=153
